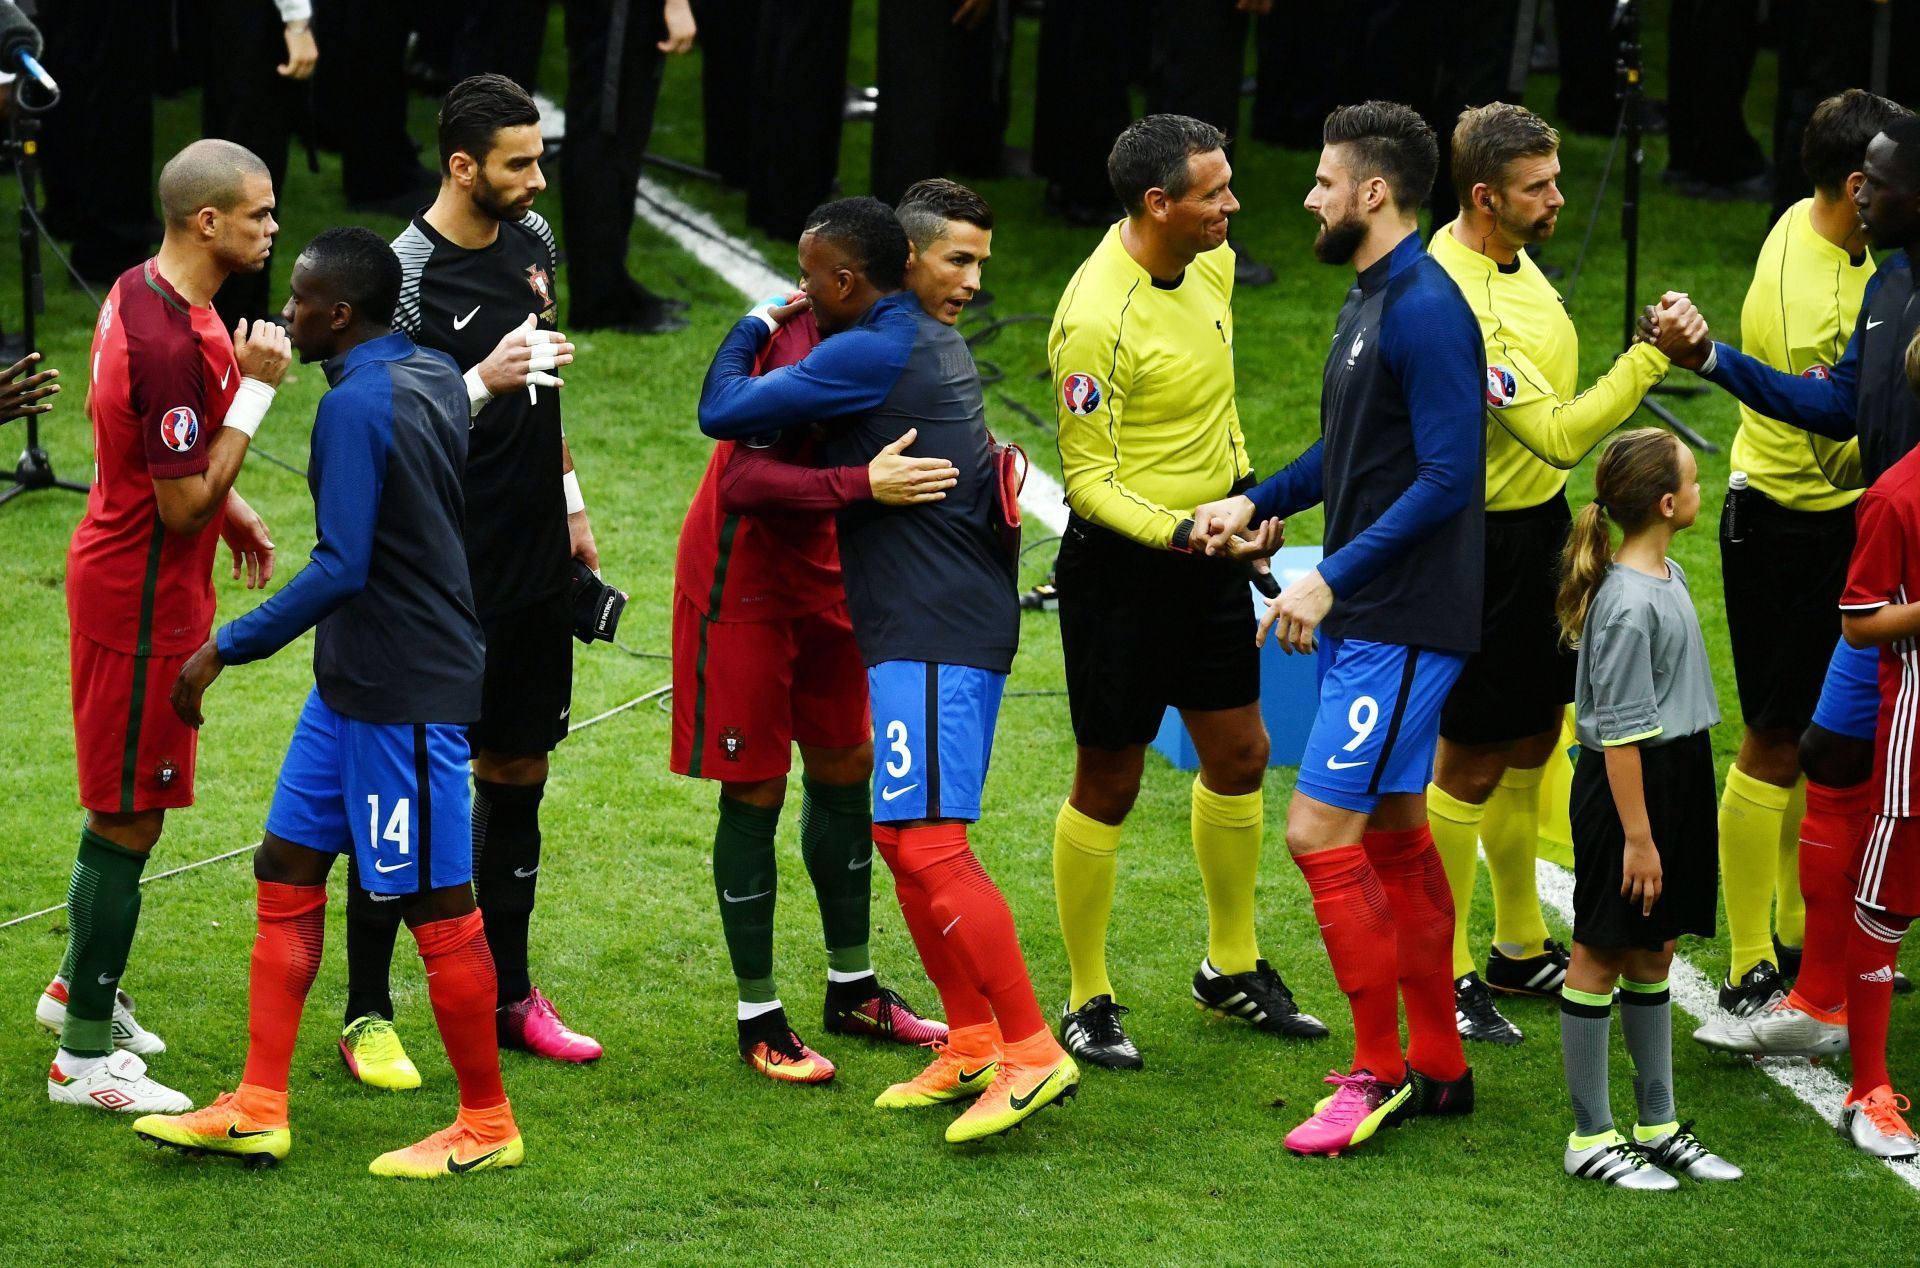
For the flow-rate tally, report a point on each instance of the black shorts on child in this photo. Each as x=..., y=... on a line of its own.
x=1684, y=815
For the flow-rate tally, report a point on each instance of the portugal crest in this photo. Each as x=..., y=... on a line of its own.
x=542, y=285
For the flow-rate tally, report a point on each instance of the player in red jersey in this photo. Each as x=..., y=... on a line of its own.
x=1880, y=607
x=175, y=402
x=764, y=656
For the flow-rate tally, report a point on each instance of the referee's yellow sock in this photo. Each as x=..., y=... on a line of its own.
x=1226, y=842
x=1789, y=908
x=1083, y=877
x=1752, y=814
x=1456, y=835
x=1510, y=835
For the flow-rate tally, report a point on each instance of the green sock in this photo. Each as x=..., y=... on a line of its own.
x=744, y=883
x=103, y=904
x=836, y=840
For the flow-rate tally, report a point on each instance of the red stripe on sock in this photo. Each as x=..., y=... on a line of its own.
x=1422, y=908
x=1351, y=908
x=462, y=986
x=286, y=956
x=961, y=1000
x=1832, y=835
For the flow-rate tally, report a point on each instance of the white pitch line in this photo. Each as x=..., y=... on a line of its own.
x=1816, y=1087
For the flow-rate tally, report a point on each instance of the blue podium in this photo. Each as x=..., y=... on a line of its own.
x=1289, y=685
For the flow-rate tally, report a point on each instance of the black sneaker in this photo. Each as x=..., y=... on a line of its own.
x=1788, y=958
x=1476, y=1016
x=1754, y=992
x=1902, y=984
x=1092, y=1032
x=1257, y=997
x=1436, y=1098
x=1537, y=975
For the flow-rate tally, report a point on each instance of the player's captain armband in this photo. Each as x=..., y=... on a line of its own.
x=570, y=482
x=249, y=408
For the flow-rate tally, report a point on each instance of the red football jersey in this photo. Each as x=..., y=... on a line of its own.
x=164, y=374
x=1886, y=569
x=761, y=567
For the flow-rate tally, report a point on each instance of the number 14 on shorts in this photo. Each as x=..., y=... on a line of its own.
x=398, y=831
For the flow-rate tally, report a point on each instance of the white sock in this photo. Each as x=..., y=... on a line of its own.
x=838, y=975
x=747, y=1012
x=73, y=1065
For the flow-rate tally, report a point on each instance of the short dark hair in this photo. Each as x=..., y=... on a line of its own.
x=866, y=229
x=1835, y=144
x=1904, y=132
x=1153, y=153
x=478, y=107
x=1390, y=141
x=356, y=266
x=929, y=206
x=1487, y=138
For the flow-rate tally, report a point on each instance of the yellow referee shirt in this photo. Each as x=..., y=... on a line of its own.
x=1799, y=315
x=1538, y=426
x=1143, y=391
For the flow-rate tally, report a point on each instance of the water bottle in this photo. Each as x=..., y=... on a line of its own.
x=1734, y=524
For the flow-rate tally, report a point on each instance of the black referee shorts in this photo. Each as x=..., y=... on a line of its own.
x=1521, y=679
x=1144, y=629
x=528, y=690
x=1783, y=580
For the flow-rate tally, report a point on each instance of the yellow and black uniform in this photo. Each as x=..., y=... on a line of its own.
x=1144, y=396
x=1539, y=425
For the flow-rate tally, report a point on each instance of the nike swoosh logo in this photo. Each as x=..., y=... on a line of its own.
x=968, y=1076
x=234, y=1132
x=744, y=898
x=109, y=981
x=460, y=323
x=1021, y=1102
x=529, y=872
x=383, y=868
x=865, y=862
x=454, y=1165
x=950, y=924
x=888, y=794
x=383, y=898
x=1334, y=763
x=224, y=376
x=1872, y=322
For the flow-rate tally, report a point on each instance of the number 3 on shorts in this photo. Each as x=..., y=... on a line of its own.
x=897, y=744
x=1362, y=717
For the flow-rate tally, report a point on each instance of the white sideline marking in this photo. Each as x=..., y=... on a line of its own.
x=1816, y=1087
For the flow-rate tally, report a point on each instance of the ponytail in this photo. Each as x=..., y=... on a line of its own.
x=1638, y=469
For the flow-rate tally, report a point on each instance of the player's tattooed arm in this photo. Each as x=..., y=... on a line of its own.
x=20, y=397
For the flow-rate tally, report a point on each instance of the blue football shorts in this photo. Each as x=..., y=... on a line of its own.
x=1850, y=696
x=1378, y=721
x=396, y=794
x=932, y=738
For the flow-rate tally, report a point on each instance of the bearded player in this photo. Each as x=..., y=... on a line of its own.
x=174, y=402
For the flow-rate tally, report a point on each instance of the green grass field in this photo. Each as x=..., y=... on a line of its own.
x=669, y=1149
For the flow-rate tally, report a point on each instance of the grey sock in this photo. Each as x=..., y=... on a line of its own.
x=1584, y=1022
x=1646, y=1019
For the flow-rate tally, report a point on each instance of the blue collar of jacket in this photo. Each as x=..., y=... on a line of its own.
x=395, y=346
x=1392, y=264
x=888, y=303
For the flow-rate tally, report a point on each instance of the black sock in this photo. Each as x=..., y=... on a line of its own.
x=506, y=863
x=372, y=925
x=845, y=995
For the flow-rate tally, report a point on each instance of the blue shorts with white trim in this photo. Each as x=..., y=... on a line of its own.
x=1378, y=721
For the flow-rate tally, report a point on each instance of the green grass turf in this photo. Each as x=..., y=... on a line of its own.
x=669, y=1149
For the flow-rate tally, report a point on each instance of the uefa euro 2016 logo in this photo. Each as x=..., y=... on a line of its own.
x=179, y=429
x=1080, y=393
x=1502, y=387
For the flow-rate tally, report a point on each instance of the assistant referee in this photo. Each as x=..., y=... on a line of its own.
x=1141, y=351
x=1503, y=716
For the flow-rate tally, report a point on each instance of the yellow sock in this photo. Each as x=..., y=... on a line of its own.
x=1226, y=843
x=1789, y=908
x=1510, y=835
x=1456, y=835
x=1083, y=877
x=1751, y=812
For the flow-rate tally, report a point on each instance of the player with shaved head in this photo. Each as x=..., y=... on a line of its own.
x=175, y=400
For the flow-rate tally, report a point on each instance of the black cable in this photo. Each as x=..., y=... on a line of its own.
x=638, y=654
x=46, y=238
x=1023, y=411
x=1599, y=196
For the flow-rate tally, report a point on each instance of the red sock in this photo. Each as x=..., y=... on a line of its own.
x=969, y=916
x=1422, y=907
x=286, y=955
x=1871, y=954
x=1351, y=907
x=960, y=999
x=462, y=986
x=1832, y=836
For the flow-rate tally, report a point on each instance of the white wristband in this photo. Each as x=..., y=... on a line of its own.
x=570, y=481
x=1713, y=359
x=250, y=401
x=477, y=394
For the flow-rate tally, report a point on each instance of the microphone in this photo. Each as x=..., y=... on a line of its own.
x=20, y=48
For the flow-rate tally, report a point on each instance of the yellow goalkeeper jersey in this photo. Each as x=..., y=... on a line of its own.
x=1143, y=391
x=1539, y=426
x=1798, y=317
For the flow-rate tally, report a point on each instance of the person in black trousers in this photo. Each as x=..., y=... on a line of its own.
x=1081, y=104
x=616, y=54
x=1710, y=53
x=360, y=97
x=924, y=126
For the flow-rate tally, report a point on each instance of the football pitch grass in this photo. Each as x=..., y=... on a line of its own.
x=671, y=1150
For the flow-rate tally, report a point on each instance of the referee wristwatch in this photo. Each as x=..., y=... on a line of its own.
x=1182, y=535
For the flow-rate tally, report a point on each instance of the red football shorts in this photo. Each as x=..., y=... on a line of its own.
x=745, y=691
x=135, y=753
x=1887, y=877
